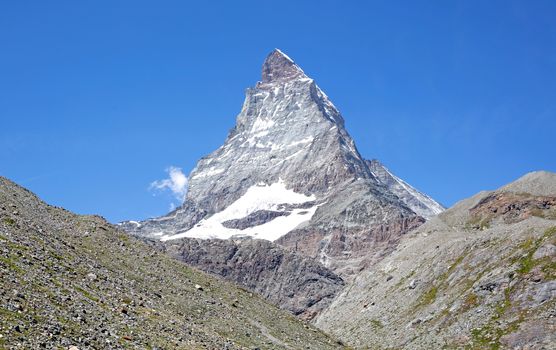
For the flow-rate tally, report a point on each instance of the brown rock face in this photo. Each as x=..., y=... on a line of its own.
x=348, y=253
x=511, y=207
x=278, y=66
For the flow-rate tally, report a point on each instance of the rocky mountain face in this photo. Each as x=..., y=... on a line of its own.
x=481, y=275
x=292, y=281
x=76, y=282
x=290, y=173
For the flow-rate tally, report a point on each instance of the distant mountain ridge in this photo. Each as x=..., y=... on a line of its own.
x=481, y=275
x=283, y=174
x=419, y=202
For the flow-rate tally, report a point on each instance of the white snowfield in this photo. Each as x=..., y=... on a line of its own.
x=258, y=197
x=430, y=203
x=431, y=206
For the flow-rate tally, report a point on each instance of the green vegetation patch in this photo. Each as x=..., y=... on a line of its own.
x=11, y=263
x=488, y=336
x=376, y=324
x=478, y=222
x=8, y=221
x=86, y=294
x=526, y=261
x=456, y=263
x=7, y=314
x=429, y=296
x=470, y=301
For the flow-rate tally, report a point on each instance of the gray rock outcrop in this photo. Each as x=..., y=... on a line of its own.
x=292, y=281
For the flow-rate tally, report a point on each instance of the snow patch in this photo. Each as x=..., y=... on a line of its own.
x=430, y=203
x=262, y=124
x=258, y=197
x=209, y=172
x=308, y=139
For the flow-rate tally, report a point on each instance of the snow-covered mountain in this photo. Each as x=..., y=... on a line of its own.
x=289, y=172
x=419, y=202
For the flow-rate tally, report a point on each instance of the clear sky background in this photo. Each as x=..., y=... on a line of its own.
x=98, y=98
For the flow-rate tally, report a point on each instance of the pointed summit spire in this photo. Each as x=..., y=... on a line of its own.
x=279, y=67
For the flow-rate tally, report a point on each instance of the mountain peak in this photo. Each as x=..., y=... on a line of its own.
x=280, y=67
x=289, y=172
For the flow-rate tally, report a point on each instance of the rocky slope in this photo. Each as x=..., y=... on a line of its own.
x=289, y=172
x=289, y=280
x=70, y=280
x=480, y=275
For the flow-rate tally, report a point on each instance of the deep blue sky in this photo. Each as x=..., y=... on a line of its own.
x=98, y=98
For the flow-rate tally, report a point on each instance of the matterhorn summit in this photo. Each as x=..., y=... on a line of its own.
x=289, y=172
x=278, y=66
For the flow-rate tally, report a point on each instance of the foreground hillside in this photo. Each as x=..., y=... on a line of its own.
x=480, y=275
x=70, y=280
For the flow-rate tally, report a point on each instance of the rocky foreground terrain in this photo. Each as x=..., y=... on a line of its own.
x=76, y=282
x=481, y=275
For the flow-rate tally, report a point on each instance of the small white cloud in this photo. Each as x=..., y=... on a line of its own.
x=172, y=206
x=176, y=183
